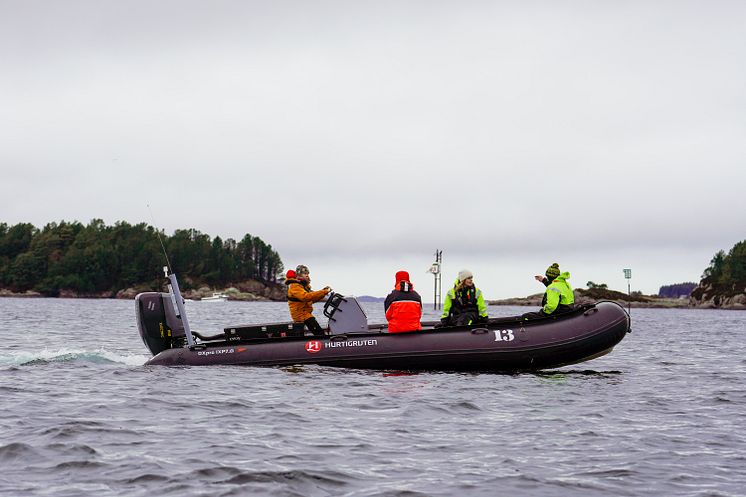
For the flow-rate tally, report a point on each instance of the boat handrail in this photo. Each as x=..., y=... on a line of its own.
x=333, y=303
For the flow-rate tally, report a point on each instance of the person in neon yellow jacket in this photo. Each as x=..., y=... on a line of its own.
x=559, y=296
x=464, y=302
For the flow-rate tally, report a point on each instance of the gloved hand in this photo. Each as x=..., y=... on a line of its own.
x=444, y=321
x=482, y=319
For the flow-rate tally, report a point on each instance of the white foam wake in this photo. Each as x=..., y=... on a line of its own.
x=9, y=358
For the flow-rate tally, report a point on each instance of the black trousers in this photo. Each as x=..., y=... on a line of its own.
x=314, y=326
x=561, y=309
x=534, y=315
x=463, y=318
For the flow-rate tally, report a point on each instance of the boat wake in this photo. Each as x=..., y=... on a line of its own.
x=65, y=355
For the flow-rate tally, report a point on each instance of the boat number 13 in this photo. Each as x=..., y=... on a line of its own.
x=504, y=336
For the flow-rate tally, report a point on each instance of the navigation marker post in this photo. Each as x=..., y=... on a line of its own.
x=628, y=276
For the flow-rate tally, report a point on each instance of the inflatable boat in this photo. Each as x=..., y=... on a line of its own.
x=499, y=345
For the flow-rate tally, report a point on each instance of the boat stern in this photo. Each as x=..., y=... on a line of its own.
x=157, y=331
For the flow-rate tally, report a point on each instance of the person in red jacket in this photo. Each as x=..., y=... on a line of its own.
x=403, y=306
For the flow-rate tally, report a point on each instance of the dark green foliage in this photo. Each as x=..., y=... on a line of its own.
x=98, y=258
x=16, y=239
x=715, y=270
x=677, y=290
x=601, y=286
x=726, y=274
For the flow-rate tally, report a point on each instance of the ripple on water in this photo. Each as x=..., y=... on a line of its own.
x=74, y=429
x=80, y=466
x=72, y=449
x=146, y=479
x=18, y=451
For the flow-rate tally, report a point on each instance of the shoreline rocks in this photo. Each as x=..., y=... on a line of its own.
x=4, y=292
x=583, y=296
x=707, y=297
x=655, y=304
x=256, y=291
x=245, y=291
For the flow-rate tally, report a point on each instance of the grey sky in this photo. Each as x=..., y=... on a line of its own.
x=358, y=137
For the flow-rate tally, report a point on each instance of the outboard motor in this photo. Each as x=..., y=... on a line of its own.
x=345, y=315
x=159, y=326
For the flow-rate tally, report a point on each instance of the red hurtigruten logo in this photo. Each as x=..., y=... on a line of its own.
x=313, y=346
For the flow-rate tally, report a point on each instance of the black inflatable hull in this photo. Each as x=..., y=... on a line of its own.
x=502, y=345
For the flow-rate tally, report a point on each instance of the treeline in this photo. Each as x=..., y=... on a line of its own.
x=676, y=290
x=726, y=273
x=96, y=258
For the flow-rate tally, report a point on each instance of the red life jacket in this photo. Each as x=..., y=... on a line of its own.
x=403, y=308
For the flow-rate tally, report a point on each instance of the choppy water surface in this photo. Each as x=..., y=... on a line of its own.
x=663, y=414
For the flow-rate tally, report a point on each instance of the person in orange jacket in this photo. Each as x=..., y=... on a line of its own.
x=403, y=306
x=301, y=298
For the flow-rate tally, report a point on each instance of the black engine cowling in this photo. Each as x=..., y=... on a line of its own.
x=159, y=327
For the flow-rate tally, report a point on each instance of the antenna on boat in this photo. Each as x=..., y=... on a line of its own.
x=628, y=276
x=435, y=269
x=173, y=288
x=158, y=232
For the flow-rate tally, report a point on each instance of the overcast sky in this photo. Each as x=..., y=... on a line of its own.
x=359, y=137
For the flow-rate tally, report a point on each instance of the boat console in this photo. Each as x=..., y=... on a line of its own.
x=345, y=315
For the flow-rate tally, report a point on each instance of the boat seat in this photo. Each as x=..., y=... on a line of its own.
x=265, y=330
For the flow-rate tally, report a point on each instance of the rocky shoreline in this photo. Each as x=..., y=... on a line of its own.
x=583, y=296
x=535, y=301
x=256, y=291
x=245, y=291
x=707, y=297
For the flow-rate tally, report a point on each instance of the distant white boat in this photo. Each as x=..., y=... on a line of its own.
x=216, y=297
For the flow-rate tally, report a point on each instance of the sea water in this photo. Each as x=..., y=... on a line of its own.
x=663, y=414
